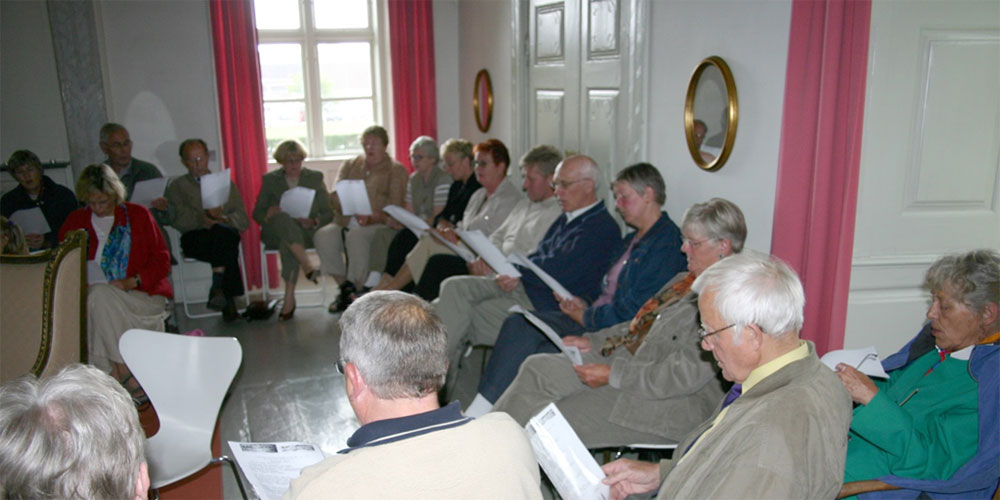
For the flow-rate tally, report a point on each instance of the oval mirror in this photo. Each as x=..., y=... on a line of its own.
x=482, y=100
x=711, y=113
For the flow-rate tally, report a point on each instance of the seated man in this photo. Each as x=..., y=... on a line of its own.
x=781, y=432
x=574, y=251
x=74, y=435
x=211, y=235
x=392, y=350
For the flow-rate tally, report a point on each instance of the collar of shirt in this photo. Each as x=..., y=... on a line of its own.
x=767, y=369
x=396, y=429
x=578, y=212
x=961, y=354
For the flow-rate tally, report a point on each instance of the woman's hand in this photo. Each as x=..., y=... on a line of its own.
x=507, y=283
x=126, y=284
x=572, y=307
x=861, y=388
x=448, y=234
x=593, y=374
x=581, y=343
x=306, y=222
x=271, y=212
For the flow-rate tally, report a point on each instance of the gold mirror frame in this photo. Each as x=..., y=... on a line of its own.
x=733, y=113
x=483, y=79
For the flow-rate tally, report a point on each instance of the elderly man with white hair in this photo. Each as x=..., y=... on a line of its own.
x=392, y=349
x=781, y=432
x=74, y=435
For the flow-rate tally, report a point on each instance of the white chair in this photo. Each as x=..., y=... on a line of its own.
x=180, y=275
x=266, y=285
x=186, y=379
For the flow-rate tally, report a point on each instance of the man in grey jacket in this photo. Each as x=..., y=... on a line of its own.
x=781, y=432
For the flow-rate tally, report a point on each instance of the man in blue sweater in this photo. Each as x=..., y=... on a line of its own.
x=576, y=250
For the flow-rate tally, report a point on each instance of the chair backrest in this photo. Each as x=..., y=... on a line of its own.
x=186, y=378
x=43, y=306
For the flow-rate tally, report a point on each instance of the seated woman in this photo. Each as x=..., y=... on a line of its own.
x=639, y=371
x=35, y=189
x=346, y=257
x=426, y=196
x=922, y=422
x=127, y=267
x=291, y=236
x=486, y=211
x=11, y=238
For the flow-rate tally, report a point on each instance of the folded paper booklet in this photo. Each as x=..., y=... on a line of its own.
x=521, y=260
x=214, y=189
x=31, y=221
x=866, y=360
x=564, y=458
x=353, y=197
x=571, y=351
x=270, y=467
x=489, y=252
x=297, y=202
x=415, y=224
x=459, y=250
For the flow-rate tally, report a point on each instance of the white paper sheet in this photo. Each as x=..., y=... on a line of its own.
x=297, y=202
x=407, y=218
x=571, y=351
x=517, y=258
x=353, y=197
x=564, y=458
x=31, y=221
x=214, y=190
x=459, y=250
x=489, y=252
x=270, y=467
x=866, y=360
x=146, y=191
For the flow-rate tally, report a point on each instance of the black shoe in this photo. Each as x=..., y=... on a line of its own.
x=229, y=312
x=344, y=299
x=216, y=299
x=314, y=276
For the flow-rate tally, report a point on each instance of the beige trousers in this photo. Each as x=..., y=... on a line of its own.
x=110, y=312
x=348, y=256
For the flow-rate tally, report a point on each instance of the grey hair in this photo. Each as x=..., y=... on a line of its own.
x=590, y=170
x=641, y=176
x=755, y=288
x=397, y=342
x=73, y=435
x=460, y=147
x=718, y=219
x=427, y=145
x=288, y=148
x=972, y=277
x=544, y=158
x=101, y=178
x=109, y=128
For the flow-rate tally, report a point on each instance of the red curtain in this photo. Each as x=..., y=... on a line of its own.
x=241, y=111
x=414, y=100
x=820, y=152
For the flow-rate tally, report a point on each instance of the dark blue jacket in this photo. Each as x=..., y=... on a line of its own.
x=576, y=254
x=655, y=259
x=56, y=202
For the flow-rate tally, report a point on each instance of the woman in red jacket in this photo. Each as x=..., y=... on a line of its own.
x=127, y=266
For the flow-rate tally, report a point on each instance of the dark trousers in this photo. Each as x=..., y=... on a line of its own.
x=439, y=268
x=401, y=244
x=219, y=246
x=517, y=340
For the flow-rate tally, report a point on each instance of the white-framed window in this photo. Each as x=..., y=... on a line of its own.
x=322, y=64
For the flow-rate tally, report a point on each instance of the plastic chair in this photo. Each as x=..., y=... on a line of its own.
x=183, y=288
x=266, y=285
x=186, y=379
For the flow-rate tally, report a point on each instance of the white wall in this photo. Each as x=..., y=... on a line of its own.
x=31, y=114
x=160, y=77
x=485, y=42
x=446, y=75
x=752, y=36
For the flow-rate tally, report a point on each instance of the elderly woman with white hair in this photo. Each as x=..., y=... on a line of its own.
x=127, y=267
x=918, y=429
x=74, y=435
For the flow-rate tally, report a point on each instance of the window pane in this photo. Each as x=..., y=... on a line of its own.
x=345, y=70
x=284, y=120
x=340, y=14
x=281, y=70
x=276, y=14
x=343, y=122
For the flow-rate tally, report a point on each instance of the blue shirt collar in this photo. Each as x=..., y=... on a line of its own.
x=396, y=429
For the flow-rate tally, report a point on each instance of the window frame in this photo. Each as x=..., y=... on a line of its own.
x=308, y=37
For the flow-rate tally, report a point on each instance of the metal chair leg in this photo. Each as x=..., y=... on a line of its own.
x=236, y=473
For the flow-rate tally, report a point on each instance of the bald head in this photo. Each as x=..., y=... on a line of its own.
x=576, y=182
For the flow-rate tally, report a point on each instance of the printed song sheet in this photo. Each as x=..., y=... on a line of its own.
x=489, y=252
x=517, y=258
x=866, y=360
x=148, y=190
x=571, y=351
x=559, y=451
x=270, y=467
x=459, y=250
x=407, y=218
x=214, y=190
x=353, y=197
x=297, y=202
x=31, y=221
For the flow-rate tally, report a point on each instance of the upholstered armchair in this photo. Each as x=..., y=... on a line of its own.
x=43, y=309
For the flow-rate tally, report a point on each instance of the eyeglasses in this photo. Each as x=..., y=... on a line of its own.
x=565, y=184
x=695, y=244
x=702, y=334
x=340, y=365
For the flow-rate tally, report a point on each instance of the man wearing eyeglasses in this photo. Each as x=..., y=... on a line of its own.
x=781, y=432
x=392, y=349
